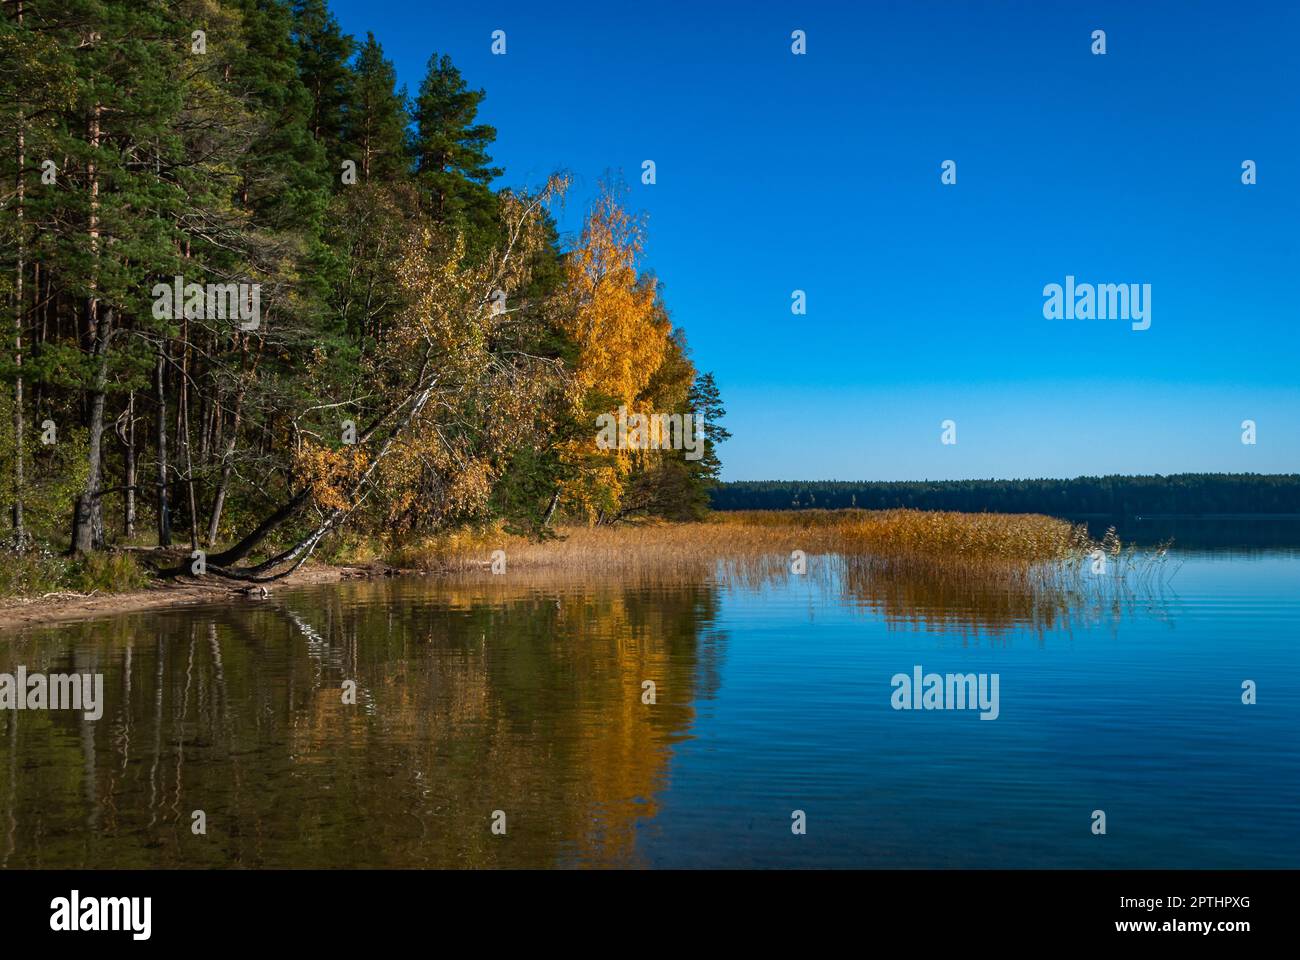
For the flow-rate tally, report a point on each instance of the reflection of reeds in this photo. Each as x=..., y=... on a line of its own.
x=953, y=598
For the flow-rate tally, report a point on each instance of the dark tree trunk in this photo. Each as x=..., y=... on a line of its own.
x=184, y=435
x=550, y=509
x=160, y=395
x=128, y=516
x=87, y=533
x=20, y=530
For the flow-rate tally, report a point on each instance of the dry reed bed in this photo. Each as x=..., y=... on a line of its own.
x=1015, y=544
x=946, y=570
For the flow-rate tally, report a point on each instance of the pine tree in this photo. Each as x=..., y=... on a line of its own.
x=706, y=400
x=453, y=167
x=284, y=175
x=374, y=125
x=323, y=53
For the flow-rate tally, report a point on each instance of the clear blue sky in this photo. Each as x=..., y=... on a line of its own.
x=822, y=172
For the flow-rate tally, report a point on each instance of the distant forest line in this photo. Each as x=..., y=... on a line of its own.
x=1117, y=496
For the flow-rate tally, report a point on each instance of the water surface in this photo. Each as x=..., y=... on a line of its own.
x=772, y=694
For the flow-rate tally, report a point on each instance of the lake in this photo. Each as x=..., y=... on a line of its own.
x=521, y=704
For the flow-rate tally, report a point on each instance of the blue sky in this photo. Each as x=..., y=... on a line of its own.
x=822, y=173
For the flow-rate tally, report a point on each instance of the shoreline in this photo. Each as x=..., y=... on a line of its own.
x=761, y=542
x=17, y=613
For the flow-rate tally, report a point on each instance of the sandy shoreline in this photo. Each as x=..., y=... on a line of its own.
x=16, y=613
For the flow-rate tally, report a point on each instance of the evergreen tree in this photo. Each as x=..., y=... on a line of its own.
x=706, y=400
x=283, y=175
x=323, y=54
x=374, y=125
x=453, y=167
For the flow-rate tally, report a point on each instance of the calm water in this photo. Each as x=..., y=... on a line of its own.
x=773, y=695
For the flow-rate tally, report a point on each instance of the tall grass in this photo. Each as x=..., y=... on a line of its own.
x=39, y=571
x=989, y=542
x=596, y=549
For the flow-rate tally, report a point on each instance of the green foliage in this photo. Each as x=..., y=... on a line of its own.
x=106, y=572
x=453, y=167
x=53, y=475
x=39, y=570
x=323, y=53
x=224, y=166
x=375, y=119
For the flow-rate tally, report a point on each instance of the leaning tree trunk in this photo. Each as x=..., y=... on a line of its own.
x=300, y=551
x=246, y=546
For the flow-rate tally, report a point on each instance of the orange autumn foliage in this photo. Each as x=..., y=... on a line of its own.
x=622, y=336
x=331, y=474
